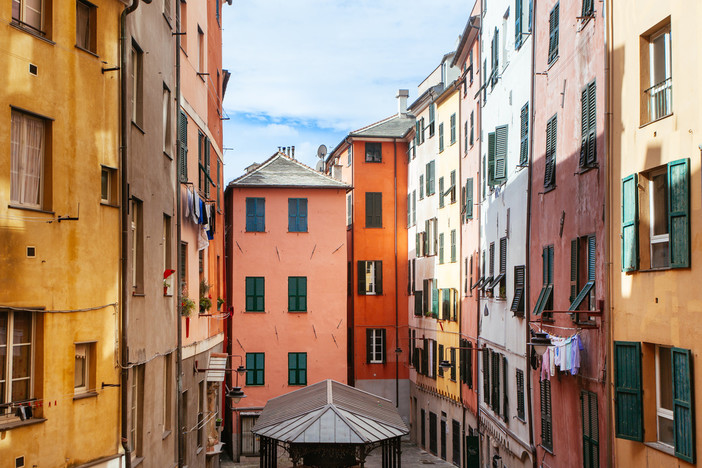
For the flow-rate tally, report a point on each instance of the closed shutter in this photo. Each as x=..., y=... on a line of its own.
x=630, y=223
x=505, y=394
x=495, y=398
x=524, y=133
x=292, y=214
x=546, y=419
x=591, y=256
x=683, y=404
x=550, y=167
x=361, y=278
x=500, y=154
x=520, y=393
x=679, y=213
x=590, y=419
x=553, y=34
x=374, y=216
x=379, y=277
x=302, y=215
x=469, y=198
x=486, y=376
x=183, y=154
x=491, y=159
x=573, y=270
x=584, y=126
x=250, y=290
x=628, y=407
x=369, y=345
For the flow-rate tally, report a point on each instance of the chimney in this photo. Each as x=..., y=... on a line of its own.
x=293, y=152
x=402, y=95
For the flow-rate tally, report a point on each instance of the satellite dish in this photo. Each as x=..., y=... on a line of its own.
x=320, y=165
x=322, y=151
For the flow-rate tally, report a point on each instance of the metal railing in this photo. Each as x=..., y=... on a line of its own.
x=660, y=100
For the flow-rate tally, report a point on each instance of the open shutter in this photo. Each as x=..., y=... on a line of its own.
x=469, y=198
x=292, y=293
x=383, y=343
x=505, y=399
x=183, y=136
x=550, y=168
x=679, y=213
x=584, y=127
x=361, y=278
x=591, y=256
x=434, y=299
x=683, y=404
x=628, y=409
x=517, y=23
x=592, y=124
x=379, y=277
x=524, y=140
x=630, y=223
x=573, y=270
x=500, y=154
x=486, y=376
x=491, y=159
x=369, y=345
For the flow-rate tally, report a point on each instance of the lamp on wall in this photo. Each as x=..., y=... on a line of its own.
x=236, y=393
x=540, y=342
x=445, y=364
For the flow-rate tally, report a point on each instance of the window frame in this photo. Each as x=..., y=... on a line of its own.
x=8, y=378
x=18, y=197
x=31, y=28
x=253, y=370
x=374, y=152
x=297, y=293
x=297, y=370
x=370, y=277
x=255, y=294
x=660, y=411
x=255, y=217
x=297, y=222
x=91, y=27
x=376, y=345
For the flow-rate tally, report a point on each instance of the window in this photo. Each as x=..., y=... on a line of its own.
x=441, y=137
x=497, y=156
x=432, y=116
x=167, y=387
x=472, y=126
x=546, y=422
x=374, y=152
x=466, y=362
x=374, y=209
x=297, y=368
x=453, y=246
x=456, y=442
x=255, y=214
x=665, y=204
x=255, y=368
x=29, y=160
x=431, y=227
x=297, y=293
x=443, y=430
x=297, y=214
x=16, y=359
x=200, y=413
x=658, y=97
x=137, y=410
x=500, y=281
x=441, y=192
x=137, y=84
x=137, y=228
x=183, y=275
x=553, y=34
x=550, y=161
x=453, y=128
x=431, y=172
x=421, y=187
x=519, y=378
x=370, y=277
x=452, y=188
x=545, y=300
x=349, y=156
x=588, y=116
x=203, y=160
x=588, y=8
x=375, y=345
x=524, y=135
x=183, y=146
x=349, y=209
x=200, y=50
x=31, y=14
x=518, y=14
x=167, y=125
x=582, y=272
x=441, y=248
x=86, y=17
x=166, y=253
x=518, y=301
x=255, y=290
x=468, y=197
x=590, y=420
x=108, y=185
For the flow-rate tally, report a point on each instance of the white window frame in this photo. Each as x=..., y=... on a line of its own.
x=370, y=278
x=23, y=5
x=23, y=121
x=660, y=238
x=377, y=346
x=83, y=349
x=7, y=379
x=665, y=87
x=662, y=412
x=167, y=121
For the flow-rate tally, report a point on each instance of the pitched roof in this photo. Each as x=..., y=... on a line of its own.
x=330, y=412
x=392, y=127
x=281, y=171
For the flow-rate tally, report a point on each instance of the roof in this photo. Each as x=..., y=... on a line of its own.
x=435, y=90
x=281, y=171
x=330, y=412
x=392, y=127
x=470, y=34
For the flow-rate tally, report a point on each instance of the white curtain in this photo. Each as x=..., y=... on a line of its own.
x=82, y=25
x=27, y=159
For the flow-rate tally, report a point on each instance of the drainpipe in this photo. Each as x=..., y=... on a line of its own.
x=124, y=241
x=528, y=238
x=397, y=291
x=179, y=296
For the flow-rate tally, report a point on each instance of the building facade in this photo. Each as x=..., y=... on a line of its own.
x=654, y=215
x=59, y=240
x=506, y=43
x=287, y=283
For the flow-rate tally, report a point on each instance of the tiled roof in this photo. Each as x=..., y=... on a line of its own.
x=392, y=127
x=281, y=171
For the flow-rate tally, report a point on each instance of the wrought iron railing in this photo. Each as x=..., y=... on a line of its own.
x=660, y=99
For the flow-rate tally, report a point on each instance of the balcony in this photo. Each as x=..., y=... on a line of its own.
x=659, y=100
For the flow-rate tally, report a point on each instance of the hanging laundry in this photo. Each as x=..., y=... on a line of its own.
x=206, y=217
x=187, y=203
x=545, y=367
x=202, y=242
x=575, y=359
x=196, y=210
x=202, y=214
x=551, y=358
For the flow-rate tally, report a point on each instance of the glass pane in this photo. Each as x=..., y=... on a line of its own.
x=22, y=330
x=658, y=58
x=3, y=360
x=79, y=380
x=20, y=390
x=3, y=328
x=660, y=204
x=15, y=14
x=659, y=255
x=32, y=13
x=103, y=184
x=665, y=430
x=665, y=379
x=21, y=361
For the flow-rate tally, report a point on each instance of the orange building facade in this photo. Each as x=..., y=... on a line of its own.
x=287, y=285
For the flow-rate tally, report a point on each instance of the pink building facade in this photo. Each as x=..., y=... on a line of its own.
x=287, y=283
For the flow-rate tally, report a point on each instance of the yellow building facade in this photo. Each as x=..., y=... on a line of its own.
x=59, y=233
x=655, y=258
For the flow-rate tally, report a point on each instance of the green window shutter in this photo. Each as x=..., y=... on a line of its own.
x=491, y=159
x=546, y=416
x=250, y=289
x=453, y=128
x=260, y=294
x=500, y=154
x=553, y=34
x=519, y=380
x=431, y=181
x=630, y=223
x=361, y=278
x=441, y=192
x=584, y=126
x=524, y=133
x=486, y=376
x=517, y=24
x=551, y=143
x=590, y=419
x=683, y=404
x=441, y=137
x=434, y=299
x=469, y=198
x=592, y=121
x=379, y=277
x=591, y=257
x=505, y=398
x=183, y=154
x=453, y=245
x=409, y=210
x=441, y=248
x=628, y=410
x=679, y=213
x=573, y=270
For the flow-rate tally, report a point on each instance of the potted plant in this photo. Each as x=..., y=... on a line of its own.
x=186, y=306
x=205, y=304
x=166, y=284
x=218, y=422
x=220, y=303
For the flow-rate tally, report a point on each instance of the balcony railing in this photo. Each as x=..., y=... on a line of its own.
x=660, y=100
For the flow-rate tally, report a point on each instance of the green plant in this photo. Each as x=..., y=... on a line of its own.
x=186, y=306
x=220, y=303
x=204, y=288
x=205, y=304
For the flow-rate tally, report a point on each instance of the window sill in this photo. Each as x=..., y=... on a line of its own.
x=168, y=20
x=108, y=204
x=31, y=33
x=137, y=461
x=168, y=156
x=28, y=208
x=136, y=294
x=546, y=448
x=586, y=169
x=655, y=120
x=256, y=232
x=653, y=270
x=18, y=423
x=298, y=232
x=87, y=51
x=165, y=435
x=548, y=189
x=83, y=396
x=254, y=311
x=552, y=63
x=661, y=447
x=297, y=311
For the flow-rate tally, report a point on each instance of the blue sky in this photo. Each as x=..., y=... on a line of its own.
x=307, y=72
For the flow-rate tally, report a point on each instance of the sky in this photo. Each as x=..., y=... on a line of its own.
x=308, y=72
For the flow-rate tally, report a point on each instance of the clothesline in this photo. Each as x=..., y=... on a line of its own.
x=578, y=330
